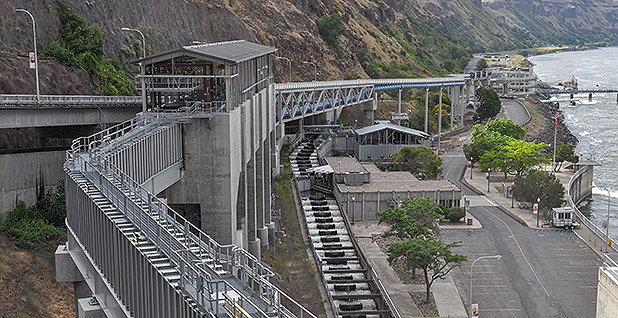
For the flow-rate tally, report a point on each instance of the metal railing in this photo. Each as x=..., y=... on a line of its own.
x=81, y=100
x=582, y=218
x=164, y=227
x=610, y=264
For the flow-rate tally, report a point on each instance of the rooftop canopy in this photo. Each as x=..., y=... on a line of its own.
x=231, y=52
x=384, y=125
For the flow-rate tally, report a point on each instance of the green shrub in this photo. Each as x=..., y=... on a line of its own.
x=51, y=207
x=81, y=45
x=455, y=214
x=31, y=233
x=330, y=27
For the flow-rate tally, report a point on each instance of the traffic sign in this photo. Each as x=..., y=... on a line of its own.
x=475, y=310
x=467, y=205
x=400, y=116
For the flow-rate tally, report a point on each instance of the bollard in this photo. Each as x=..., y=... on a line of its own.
x=373, y=239
x=356, y=238
x=541, y=225
x=366, y=224
x=468, y=231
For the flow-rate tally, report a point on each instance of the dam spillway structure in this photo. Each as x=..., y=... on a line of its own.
x=352, y=287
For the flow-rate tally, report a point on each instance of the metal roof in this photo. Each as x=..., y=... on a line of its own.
x=228, y=52
x=382, y=126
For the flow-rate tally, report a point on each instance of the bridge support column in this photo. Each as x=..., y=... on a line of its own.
x=461, y=104
x=453, y=106
x=426, y=109
x=369, y=111
x=399, y=104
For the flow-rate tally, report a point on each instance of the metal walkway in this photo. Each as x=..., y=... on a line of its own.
x=140, y=257
x=46, y=101
x=297, y=100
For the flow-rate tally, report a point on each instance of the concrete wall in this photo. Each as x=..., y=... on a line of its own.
x=228, y=167
x=607, y=294
x=18, y=118
x=581, y=187
x=366, y=204
x=21, y=173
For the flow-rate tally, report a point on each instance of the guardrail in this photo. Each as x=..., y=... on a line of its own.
x=45, y=100
x=130, y=197
x=582, y=218
x=610, y=264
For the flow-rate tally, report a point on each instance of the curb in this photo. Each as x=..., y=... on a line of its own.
x=527, y=112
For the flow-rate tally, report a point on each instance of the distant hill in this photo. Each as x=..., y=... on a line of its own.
x=376, y=38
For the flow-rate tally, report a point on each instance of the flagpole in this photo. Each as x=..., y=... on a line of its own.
x=553, y=165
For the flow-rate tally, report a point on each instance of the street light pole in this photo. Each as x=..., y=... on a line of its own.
x=538, y=211
x=315, y=70
x=36, y=57
x=497, y=257
x=142, y=66
x=609, y=197
x=289, y=65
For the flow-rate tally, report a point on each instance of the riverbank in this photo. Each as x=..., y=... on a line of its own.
x=543, y=123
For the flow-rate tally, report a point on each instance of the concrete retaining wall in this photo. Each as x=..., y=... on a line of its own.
x=607, y=294
x=21, y=173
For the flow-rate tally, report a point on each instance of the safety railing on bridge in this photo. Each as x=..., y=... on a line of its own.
x=163, y=226
x=68, y=100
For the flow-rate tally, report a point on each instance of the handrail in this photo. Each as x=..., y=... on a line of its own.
x=385, y=295
x=21, y=99
x=610, y=264
x=583, y=219
x=130, y=198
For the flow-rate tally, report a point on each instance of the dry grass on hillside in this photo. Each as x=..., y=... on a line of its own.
x=28, y=286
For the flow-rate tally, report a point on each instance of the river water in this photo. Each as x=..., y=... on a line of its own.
x=594, y=123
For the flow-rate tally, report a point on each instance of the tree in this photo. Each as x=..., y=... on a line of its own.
x=412, y=218
x=515, y=157
x=481, y=64
x=421, y=161
x=430, y=254
x=488, y=103
x=483, y=141
x=505, y=127
x=565, y=152
x=542, y=185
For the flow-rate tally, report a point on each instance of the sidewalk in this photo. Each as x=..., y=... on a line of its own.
x=444, y=291
x=524, y=216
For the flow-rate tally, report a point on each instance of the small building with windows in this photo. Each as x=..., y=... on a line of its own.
x=380, y=141
x=361, y=189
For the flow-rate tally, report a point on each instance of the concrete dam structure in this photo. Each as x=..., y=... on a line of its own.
x=176, y=203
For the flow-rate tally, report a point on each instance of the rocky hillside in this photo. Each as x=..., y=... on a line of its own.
x=364, y=38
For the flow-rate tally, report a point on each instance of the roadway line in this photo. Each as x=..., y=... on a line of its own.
x=488, y=200
x=588, y=286
x=520, y=250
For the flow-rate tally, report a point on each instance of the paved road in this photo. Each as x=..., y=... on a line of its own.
x=515, y=111
x=543, y=272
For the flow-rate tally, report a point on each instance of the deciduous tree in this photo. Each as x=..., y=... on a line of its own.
x=565, y=152
x=542, y=185
x=488, y=103
x=422, y=162
x=430, y=254
x=515, y=157
x=412, y=218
